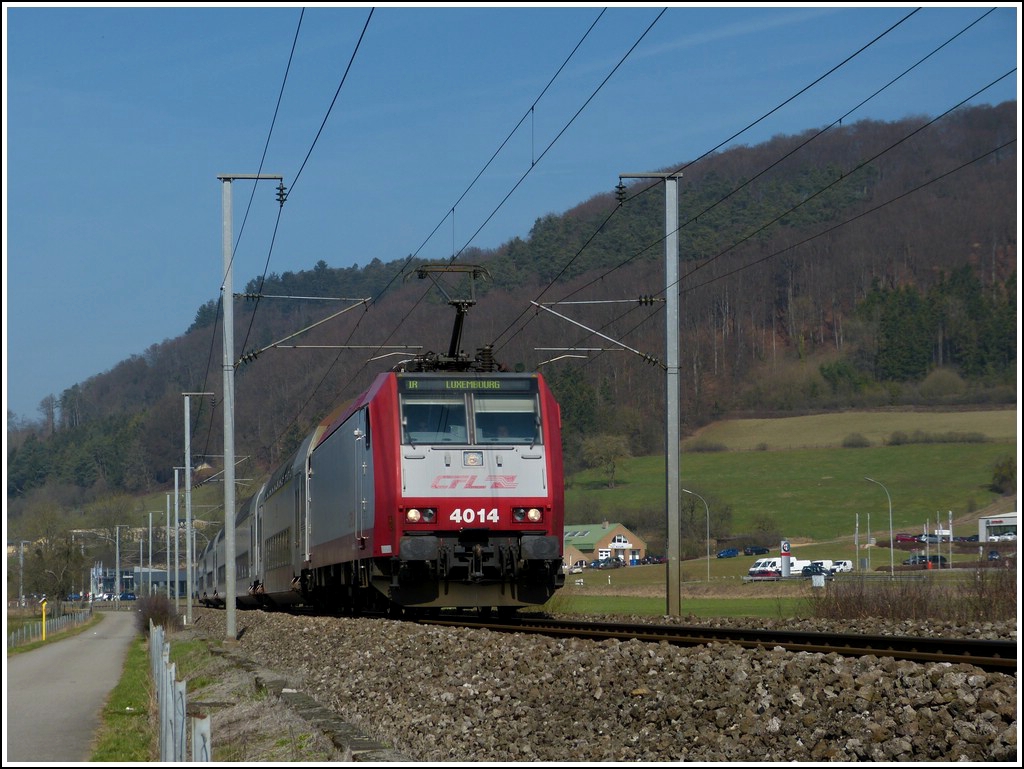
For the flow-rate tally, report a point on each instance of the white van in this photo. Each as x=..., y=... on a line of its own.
x=838, y=566
x=826, y=564
x=766, y=567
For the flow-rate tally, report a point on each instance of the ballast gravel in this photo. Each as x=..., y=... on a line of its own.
x=432, y=694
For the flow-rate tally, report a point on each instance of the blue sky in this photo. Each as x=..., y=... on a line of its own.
x=118, y=121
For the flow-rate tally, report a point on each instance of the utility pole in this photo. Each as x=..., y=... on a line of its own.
x=671, y=375
x=227, y=299
x=167, y=547
x=188, y=504
x=21, y=572
x=177, y=560
x=117, y=558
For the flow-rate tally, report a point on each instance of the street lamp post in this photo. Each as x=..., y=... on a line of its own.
x=707, y=540
x=892, y=566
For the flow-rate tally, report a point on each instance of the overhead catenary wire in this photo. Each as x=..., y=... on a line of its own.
x=838, y=121
x=536, y=159
x=357, y=372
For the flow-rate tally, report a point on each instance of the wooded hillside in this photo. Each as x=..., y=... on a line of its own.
x=870, y=264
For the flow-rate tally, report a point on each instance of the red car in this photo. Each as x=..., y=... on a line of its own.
x=905, y=538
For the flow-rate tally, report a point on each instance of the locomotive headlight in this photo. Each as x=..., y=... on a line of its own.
x=416, y=515
x=531, y=514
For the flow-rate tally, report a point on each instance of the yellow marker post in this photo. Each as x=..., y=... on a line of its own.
x=44, y=619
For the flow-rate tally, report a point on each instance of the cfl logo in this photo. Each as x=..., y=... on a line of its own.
x=474, y=482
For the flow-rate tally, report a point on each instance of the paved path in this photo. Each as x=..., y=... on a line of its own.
x=55, y=694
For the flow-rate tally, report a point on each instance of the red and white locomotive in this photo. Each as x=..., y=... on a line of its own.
x=433, y=488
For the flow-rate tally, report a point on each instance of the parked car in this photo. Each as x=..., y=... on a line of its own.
x=730, y=552
x=931, y=539
x=841, y=566
x=815, y=569
x=127, y=596
x=609, y=563
x=755, y=550
x=993, y=555
x=578, y=567
x=906, y=538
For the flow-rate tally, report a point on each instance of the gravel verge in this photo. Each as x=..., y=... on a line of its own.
x=376, y=690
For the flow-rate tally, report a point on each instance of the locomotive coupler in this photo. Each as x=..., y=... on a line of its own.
x=508, y=561
x=476, y=570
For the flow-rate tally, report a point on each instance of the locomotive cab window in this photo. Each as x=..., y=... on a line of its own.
x=433, y=420
x=504, y=419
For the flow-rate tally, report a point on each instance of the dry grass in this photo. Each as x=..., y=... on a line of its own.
x=830, y=430
x=984, y=595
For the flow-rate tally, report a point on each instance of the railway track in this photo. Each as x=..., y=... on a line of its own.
x=991, y=655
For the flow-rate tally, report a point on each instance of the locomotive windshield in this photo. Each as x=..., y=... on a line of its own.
x=434, y=419
x=506, y=418
x=503, y=419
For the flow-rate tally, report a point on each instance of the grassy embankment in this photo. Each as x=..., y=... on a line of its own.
x=796, y=472
x=811, y=487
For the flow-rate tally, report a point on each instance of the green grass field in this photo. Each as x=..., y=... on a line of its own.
x=818, y=494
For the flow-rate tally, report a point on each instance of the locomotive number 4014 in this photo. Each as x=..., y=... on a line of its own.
x=474, y=516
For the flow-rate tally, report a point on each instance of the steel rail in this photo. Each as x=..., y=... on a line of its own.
x=988, y=654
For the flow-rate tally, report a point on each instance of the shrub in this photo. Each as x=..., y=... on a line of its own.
x=1004, y=476
x=920, y=436
x=158, y=608
x=898, y=438
x=855, y=441
x=942, y=383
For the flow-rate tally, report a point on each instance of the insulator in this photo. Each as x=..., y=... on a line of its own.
x=485, y=356
x=282, y=195
x=620, y=191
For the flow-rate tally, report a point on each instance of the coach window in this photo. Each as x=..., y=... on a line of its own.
x=506, y=419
